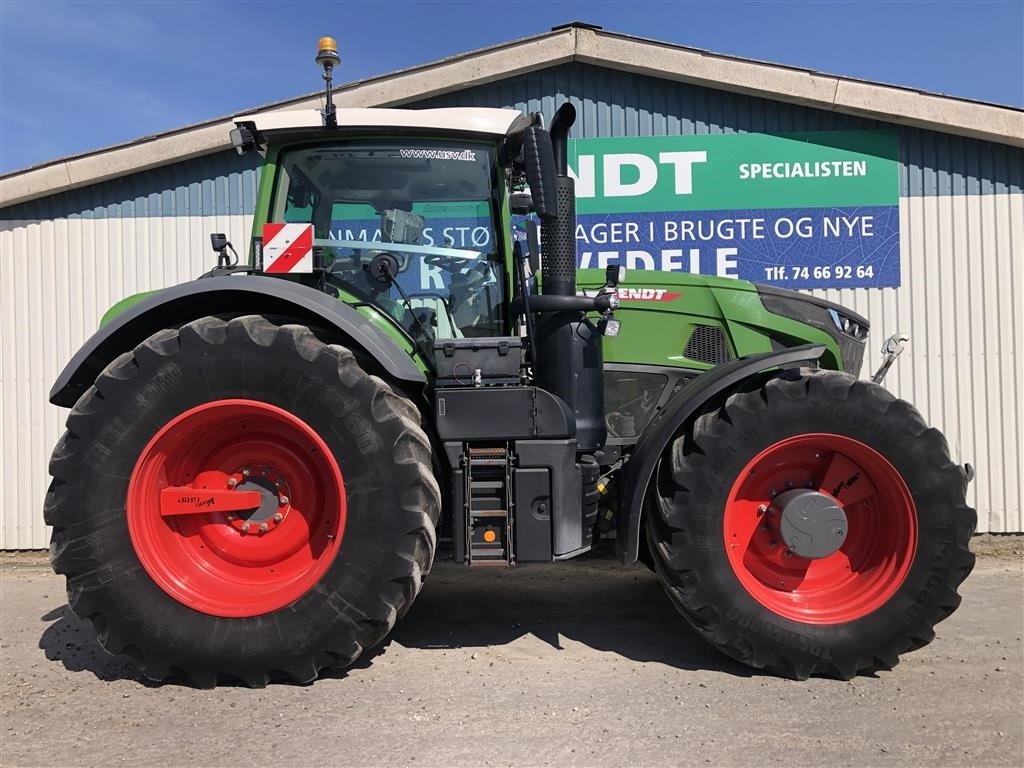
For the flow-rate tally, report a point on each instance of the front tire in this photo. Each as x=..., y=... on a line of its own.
x=716, y=535
x=336, y=551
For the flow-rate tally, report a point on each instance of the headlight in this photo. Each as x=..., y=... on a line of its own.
x=855, y=327
x=845, y=326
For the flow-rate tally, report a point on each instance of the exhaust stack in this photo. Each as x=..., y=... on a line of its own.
x=570, y=346
x=559, y=234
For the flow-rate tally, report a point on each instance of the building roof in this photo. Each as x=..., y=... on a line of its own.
x=495, y=122
x=572, y=42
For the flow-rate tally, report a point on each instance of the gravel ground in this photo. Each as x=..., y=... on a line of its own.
x=572, y=664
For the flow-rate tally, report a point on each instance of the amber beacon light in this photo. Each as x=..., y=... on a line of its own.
x=327, y=52
x=327, y=57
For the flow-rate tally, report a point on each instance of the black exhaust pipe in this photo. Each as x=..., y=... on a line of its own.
x=559, y=234
x=563, y=120
x=570, y=347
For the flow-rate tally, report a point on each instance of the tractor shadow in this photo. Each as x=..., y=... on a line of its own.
x=595, y=602
x=72, y=642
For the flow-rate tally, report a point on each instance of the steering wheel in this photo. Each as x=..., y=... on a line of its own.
x=444, y=262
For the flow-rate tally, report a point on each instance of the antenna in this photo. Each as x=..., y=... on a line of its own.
x=327, y=57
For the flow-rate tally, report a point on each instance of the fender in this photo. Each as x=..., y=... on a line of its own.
x=226, y=295
x=668, y=422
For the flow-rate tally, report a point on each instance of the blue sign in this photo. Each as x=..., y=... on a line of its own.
x=794, y=248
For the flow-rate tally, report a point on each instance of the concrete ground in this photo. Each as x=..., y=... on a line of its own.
x=572, y=664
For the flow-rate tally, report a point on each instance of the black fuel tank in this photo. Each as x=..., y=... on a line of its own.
x=571, y=365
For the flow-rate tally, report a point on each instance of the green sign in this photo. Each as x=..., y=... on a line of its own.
x=737, y=171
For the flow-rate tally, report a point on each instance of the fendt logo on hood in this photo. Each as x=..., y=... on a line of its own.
x=647, y=294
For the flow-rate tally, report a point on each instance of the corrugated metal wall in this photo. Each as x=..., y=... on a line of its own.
x=65, y=259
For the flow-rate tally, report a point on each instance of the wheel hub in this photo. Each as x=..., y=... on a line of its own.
x=812, y=524
x=275, y=500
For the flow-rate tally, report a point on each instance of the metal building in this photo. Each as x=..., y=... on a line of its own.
x=80, y=233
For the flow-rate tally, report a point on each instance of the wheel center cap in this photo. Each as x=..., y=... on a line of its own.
x=813, y=525
x=269, y=502
x=275, y=502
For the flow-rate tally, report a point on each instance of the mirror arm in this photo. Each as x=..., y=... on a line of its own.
x=517, y=250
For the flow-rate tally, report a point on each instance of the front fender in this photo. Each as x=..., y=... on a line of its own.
x=670, y=420
x=223, y=296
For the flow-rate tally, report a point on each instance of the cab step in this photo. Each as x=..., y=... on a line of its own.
x=488, y=519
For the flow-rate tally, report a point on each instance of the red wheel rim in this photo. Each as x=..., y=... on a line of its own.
x=236, y=508
x=869, y=567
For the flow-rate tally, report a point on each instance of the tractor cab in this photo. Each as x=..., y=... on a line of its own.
x=407, y=215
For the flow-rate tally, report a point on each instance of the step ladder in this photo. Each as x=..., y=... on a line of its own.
x=488, y=506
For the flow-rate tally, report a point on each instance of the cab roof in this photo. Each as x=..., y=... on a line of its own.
x=477, y=120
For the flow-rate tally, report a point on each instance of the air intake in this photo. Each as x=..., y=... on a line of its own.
x=708, y=344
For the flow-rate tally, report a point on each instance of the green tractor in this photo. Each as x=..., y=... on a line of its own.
x=259, y=464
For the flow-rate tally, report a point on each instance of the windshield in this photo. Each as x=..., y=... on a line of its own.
x=427, y=203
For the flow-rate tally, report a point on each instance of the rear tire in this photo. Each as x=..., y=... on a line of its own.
x=195, y=597
x=715, y=537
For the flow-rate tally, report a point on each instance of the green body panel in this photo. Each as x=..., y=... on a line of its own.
x=268, y=170
x=124, y=304
x=655, y=329
x=384, y=322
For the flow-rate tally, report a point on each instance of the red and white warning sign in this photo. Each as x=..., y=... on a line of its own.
x=287, y=248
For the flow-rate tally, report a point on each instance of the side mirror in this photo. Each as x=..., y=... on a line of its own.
x=614, y=275
x=298, y=195
x=539, y=159
x=218, y=242
x=243, y=138
x=520, y=203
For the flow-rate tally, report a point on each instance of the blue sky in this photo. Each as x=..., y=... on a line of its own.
x=75, y=76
